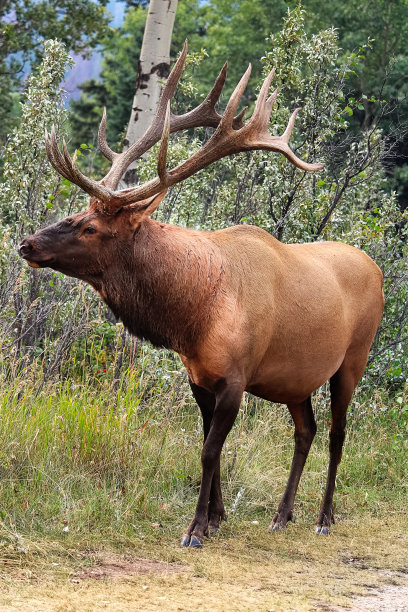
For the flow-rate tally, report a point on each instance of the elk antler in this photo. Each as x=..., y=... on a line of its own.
x=230, y=136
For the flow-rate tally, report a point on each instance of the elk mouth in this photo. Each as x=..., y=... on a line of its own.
x=32, y=264
x=35, y=262
x=45, y=263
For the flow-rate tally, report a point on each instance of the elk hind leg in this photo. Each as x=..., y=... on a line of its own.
x=342, y=385
x=305, y=430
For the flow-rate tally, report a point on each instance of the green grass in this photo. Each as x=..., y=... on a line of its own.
x=104, y=464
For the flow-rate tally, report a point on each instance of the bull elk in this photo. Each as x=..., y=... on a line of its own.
x=244, y=311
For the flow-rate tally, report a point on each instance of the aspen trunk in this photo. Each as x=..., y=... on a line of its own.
x=154, y=65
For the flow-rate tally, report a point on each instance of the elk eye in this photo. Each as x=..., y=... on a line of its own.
x=89, y=230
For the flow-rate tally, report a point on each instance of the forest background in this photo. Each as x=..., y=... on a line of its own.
x=79, y=396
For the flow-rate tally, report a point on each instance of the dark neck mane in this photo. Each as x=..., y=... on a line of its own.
x=166, y=291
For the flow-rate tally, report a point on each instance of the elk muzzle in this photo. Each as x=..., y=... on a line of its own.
x=28, y=250
x=25, y=249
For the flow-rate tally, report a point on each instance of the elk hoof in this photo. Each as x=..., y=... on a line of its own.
x=277, y=527
x=212, y=530
x=322, y=530
x=185, y=541
x=196, y=542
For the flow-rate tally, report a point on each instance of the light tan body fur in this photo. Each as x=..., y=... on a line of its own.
x=287, y=314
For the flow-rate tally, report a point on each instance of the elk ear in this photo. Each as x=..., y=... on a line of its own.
x=145, y=208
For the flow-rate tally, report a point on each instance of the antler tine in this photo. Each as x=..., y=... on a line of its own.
x=71, y=161
x=289, y=128
x=102, y=142
x=217, y=88
x=68, y=161
x=228, y=116
x=49, y=151
x=263, y=106
x=66, y=166
x=238, y=123
x=55, y=156
x=265, y=88
x=161, y=160
x=296, y=161
x=287, y=151
x=172, y=82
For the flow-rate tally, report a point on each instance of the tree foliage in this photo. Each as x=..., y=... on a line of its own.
x=26, y=24
x=29, y=182
x=115, y=88
x=382, y=74
x=39, y=318
x=223, y=29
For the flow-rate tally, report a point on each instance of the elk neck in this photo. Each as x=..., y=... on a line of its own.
x=166, y=285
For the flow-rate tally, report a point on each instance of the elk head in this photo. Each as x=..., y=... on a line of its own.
x=86, y=244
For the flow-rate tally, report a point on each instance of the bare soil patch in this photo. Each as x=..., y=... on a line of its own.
x=387, y=599
x=116, y=566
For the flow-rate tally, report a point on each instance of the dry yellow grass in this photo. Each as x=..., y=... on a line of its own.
x=244, y=569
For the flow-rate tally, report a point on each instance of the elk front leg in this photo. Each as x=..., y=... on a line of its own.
x=216, y=511
x=305, y=430
x=227, y=402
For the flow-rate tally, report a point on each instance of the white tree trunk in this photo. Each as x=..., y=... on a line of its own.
x=154, y=65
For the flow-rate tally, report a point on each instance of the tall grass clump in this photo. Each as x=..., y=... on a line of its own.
x=103, y=464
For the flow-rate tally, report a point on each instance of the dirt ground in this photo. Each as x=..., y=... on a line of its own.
x=388, y=599
x=354, y=569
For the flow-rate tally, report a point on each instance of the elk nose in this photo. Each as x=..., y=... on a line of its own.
x=24, y=248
